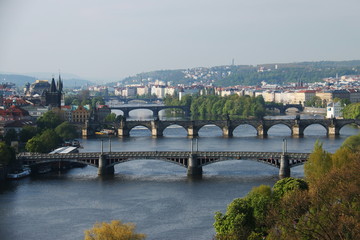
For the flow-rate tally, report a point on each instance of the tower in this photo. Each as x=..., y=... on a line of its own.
x=53, y=97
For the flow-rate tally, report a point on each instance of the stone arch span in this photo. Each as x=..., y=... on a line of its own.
x=251, y=125
x=173, y=126
x=280, y=124
x=318, y=124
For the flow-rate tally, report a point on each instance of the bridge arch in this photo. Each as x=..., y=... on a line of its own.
x=313, y=128
x=279, y=125
x=139, y=127
x=217, y=132
x=247, y=128
x=179, y=129
x=348, y=125
x=179, y=163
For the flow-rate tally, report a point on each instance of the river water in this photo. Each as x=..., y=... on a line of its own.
x=157, y=196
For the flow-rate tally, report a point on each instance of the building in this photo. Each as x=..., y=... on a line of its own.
x=80, y=115
x=53, y=96
x=38, y=87
x=334, y=110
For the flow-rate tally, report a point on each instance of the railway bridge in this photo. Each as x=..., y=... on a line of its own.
x=193, y=161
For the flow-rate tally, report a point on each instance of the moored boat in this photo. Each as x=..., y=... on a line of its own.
x=19, y=174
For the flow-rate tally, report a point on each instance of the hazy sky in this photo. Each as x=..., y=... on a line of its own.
x=112, y=39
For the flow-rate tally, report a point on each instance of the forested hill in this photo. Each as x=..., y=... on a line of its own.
x=276, y=73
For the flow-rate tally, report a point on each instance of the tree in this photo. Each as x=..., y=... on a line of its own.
x=66, y=131
x=287, y=185
x=352, y=111
x=50, y=120
x=10, y=135
x=43, y=143
x=238, y=221
x=318, y=164
x=115, y=230
x=7, y=154
x=27, y=133
x=110, y=117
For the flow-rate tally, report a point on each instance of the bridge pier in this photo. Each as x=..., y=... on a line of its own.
x=296, y=131
x=155, y=131
x=194, y=168
x=125, y=113
x=227, y=131
x=333, y=131
x=192, y=132
x=284, y=171
x=103, y=169
x=261, y=131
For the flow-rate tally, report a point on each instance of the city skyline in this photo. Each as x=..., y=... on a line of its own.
x=111, y=40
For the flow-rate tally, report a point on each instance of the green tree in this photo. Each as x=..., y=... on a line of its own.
x=111, y=117
x=237, y=223
x=43, y=143
x=352, y=111
x=66, y=131
x=318, y=164
x=27, y=133
x=50, y=120
x=10, y=135
x=7, y=154
x=115, y=230
x=287, y=185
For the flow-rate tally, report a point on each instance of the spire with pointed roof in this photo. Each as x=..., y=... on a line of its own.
x=59, y=84
x=52, y=86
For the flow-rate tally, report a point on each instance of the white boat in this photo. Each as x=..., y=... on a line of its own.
x=19, y=174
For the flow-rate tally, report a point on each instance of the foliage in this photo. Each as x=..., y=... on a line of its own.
x=318, y=164
x=7, y=154
x=238, y=221
x=50, y=120
x=287, y=185
x=315, y=101
x=325, y=206
x=10, y=135
x=111, y=117
x=352, y=111
x=66, y=131
x=329, y=210
x=115, y=230
x=243, y=106
x=43, y=143
x=27, y=133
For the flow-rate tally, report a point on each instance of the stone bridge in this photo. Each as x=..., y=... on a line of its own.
x=155, y=109
x=297, y=126
x=193, y=161
x=283, y=108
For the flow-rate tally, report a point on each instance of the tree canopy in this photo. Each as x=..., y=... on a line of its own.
x=324, y=205
x=115, y=230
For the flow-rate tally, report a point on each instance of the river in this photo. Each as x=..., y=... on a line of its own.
x=157, y=196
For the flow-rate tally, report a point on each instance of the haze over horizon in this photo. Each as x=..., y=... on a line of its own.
x=110, y=40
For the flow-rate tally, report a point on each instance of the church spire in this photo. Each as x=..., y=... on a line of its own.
x=59, y=84
x=53, y=86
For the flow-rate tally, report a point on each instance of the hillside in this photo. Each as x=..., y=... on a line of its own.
x=275, y=73
x=21, y=80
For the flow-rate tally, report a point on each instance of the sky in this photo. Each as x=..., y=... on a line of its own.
x=113, y=39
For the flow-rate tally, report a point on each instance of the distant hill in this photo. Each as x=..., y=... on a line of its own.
x=275, y=73
x=21, y=80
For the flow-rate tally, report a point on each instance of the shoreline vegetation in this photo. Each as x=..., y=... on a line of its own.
x=324, y=205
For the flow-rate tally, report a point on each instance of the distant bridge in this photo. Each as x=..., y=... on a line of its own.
x=193, y=161
x=262, y=126
x=283, y=108
x=155, y=109
x=127, y=100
